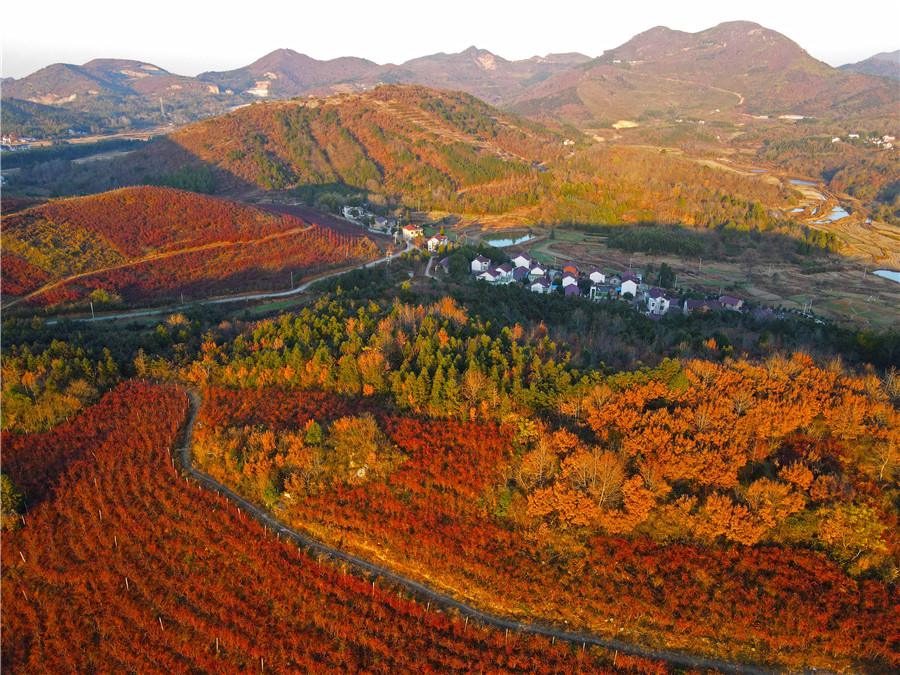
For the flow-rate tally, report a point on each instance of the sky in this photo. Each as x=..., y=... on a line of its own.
x=188, y=37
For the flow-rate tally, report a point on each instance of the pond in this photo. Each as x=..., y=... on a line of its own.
x=797, y=181
x=836, y=213
x=503, y=243
x=888, y=274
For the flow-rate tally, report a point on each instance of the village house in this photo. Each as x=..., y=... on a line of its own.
x=435, y=242
x=522, y=260
x=597, y=277
x=571, y=290
x=506, y=273
x=541, y=285
x=658, y=301
x=480, y=264
x=520, y=274
x=492, y=276
x=630, y=283
x=569, y=279
x=569, y=268
x=731, y=303
x=411, y=231
x=537, y=270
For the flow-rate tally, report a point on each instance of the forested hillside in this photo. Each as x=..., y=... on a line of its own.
x=425, y=149
x=117, y=550
x=146, y=242
x=491, y=463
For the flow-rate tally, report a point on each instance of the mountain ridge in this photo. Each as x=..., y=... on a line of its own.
x=883, y=64
x=735, y=66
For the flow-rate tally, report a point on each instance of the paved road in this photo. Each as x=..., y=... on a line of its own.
x=421, y=591
x=243, y=297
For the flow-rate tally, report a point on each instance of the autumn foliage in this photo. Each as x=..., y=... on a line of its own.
x=125, y=566
x=437, y=513
x=146, y=242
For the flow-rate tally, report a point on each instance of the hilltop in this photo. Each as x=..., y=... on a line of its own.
x=284, y=73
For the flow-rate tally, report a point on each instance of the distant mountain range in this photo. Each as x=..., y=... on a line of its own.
x=736, y=66
x=885, y=64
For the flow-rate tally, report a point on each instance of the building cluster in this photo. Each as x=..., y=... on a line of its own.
x=885, y=142
x=365, y=218
x=598, y=286
x=12, y=143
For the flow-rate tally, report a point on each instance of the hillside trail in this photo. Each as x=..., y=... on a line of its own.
x=239, y=297
x=423, y=591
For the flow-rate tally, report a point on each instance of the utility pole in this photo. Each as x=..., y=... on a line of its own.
x=292, y=279
x=92, y=309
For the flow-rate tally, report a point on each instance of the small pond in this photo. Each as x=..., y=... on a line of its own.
x=888, y=274
x=503, y=243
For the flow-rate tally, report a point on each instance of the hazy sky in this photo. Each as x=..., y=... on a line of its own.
x=188, y=37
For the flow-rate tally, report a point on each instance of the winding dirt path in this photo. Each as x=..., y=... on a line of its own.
x=241, y=297
x=422, y=591
x=156, y=256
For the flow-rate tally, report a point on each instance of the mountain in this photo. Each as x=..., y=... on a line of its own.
x=884, y=64
x=393, y=139
x=63, y=83
x=115, y=93
x=480, y=72
x=285, y=73
x=736, y=66
x=128, y=92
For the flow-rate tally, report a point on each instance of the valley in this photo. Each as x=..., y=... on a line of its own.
x=462, y=363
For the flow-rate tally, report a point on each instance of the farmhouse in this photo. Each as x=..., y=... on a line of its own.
x=411, y=231
x=541, y=285
x=731, y=303
x=520, y=273
x=569, y=279
x=629, y=286
x=480, y=264
x=658, y=301
x=597, y=277
x=522, y=260
x=492, y=276
x=505, y=272
x=436, y=242
x=537, y=270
